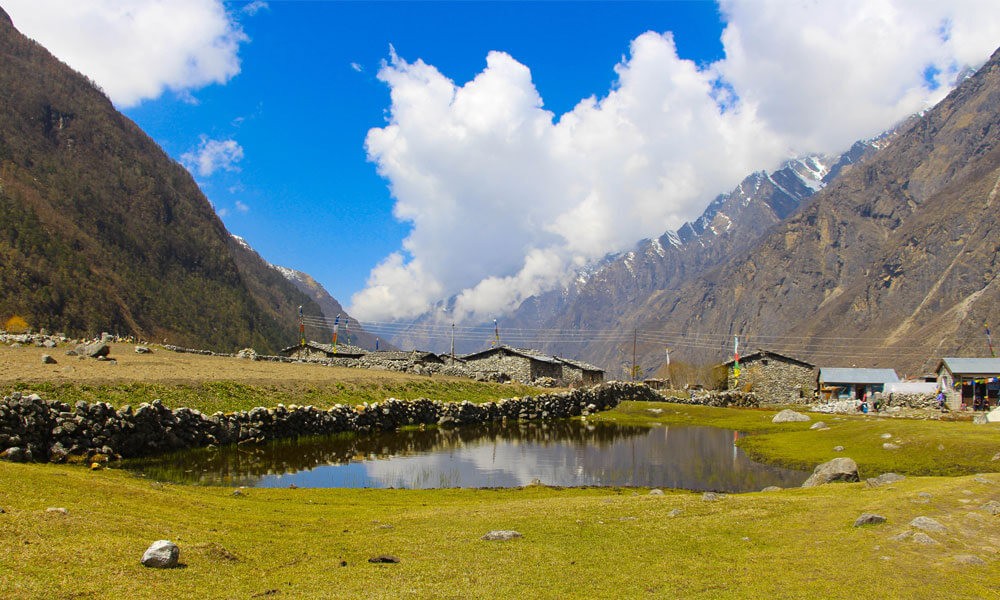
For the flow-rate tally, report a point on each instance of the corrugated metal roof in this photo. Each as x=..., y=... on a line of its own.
x=854, y=375
x=973, y=366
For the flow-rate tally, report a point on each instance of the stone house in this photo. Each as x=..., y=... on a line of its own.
x=974, y=382
x=853, y=383
x=577, y=372
x=315, y=351
x=418, y=357
x=517, y=363
x=773, y=376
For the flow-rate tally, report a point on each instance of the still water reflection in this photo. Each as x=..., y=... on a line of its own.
x=567, y=453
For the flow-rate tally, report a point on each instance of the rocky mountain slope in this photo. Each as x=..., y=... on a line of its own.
x=100, y=230
x=730, y=224
x=893, y=264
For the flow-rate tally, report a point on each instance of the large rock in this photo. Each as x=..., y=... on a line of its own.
x=838, y=469
x=790, y=416
x=93, y=350
x=927, y=524
x=161, y=554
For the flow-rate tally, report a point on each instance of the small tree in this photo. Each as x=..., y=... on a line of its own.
x=16, y=324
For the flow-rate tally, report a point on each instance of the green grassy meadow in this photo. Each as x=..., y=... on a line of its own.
x=577, y=543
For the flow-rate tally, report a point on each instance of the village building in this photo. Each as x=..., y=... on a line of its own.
x=577, y=372
x=970, y=382
x=418, y=357
x=776, y=377
x=853, y=383
x=315, y=351
x=655, y=383
x=519, y=364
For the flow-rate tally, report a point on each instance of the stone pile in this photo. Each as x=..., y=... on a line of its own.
x=909, y=400
x=34, y=429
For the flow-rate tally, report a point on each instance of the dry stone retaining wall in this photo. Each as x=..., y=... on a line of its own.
x=34, y=429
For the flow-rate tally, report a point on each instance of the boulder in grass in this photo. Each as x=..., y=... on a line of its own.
x=93, y=350
x=836, y=470
x=869, y=519
x=790, y=416
x=927, y=524
x=161, y=554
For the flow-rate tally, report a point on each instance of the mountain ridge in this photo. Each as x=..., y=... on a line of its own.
x=100, y=230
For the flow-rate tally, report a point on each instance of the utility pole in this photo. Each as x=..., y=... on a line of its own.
x=669, y=376
x=452, y=343
x=635, y=367
x=302, y=329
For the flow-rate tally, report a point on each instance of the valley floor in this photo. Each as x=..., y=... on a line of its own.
x=593, y=543
x=587, y=543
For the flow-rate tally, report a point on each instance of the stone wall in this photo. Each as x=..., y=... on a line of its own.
x=776, y=380
x=34, y=429
x=724, y=398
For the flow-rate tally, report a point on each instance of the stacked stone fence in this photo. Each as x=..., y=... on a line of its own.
x=723, y=398
x=35, y=429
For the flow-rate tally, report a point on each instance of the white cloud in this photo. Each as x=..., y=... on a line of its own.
x=357, y=67
x=242, y=207
x=136, y=50
x=213, y=155
x=504, y=198
x=254, y=7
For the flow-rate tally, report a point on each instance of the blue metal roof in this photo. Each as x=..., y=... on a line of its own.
x=972, y=366
x=853, y=375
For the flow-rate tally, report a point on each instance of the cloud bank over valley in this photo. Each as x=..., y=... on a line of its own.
x=506, y=199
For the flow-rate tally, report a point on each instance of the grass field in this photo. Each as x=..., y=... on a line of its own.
x=586, y=543
x=212, y=383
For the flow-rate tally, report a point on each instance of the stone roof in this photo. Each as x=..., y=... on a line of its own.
x=526, y=353
x=403, y=355
x=759, y=353
x=854, y=375
x=579, y=364
x=342, y=349
x=971, y=366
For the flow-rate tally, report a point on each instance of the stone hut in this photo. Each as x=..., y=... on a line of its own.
x=577, y=372
x=315, y=351
x=517, y=363
x=775, y=377
x=418, y=357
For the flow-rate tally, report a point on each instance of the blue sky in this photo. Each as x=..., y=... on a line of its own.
x=516, y=141
x=300, y=109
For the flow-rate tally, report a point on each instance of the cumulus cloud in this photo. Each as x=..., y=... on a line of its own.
x=505, y=198
x=213, y=155
x=136, y=50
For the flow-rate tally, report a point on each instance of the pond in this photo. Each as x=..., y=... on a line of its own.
x=564, y=453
